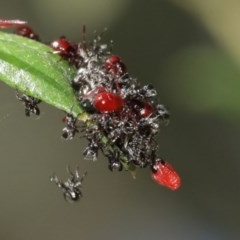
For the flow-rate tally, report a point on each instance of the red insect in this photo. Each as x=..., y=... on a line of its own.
x=107, y=102
x=66, y=50
x=142, y=109
x=22, y=28
x=115, y=65
x=164, y=174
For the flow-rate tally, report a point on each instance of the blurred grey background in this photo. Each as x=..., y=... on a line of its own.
x=190, y=51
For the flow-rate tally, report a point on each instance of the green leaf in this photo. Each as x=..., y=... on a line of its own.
x=31, y=67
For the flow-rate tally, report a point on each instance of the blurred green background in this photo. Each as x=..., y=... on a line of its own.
x=190, y=51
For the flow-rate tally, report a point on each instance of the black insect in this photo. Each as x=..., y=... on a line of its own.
x=30, y=103
x=114, y=162
x=71, y=188
x=162, y=112
x=71, y=129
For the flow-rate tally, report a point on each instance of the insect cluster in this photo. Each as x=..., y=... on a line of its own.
x=123, y=117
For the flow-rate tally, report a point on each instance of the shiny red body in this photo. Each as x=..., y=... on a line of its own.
x=165, y=175
x=142, y=109
x=146, y=110
x=115, y=65
x=66, y=49
x=107, y=102
x=60, y=45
